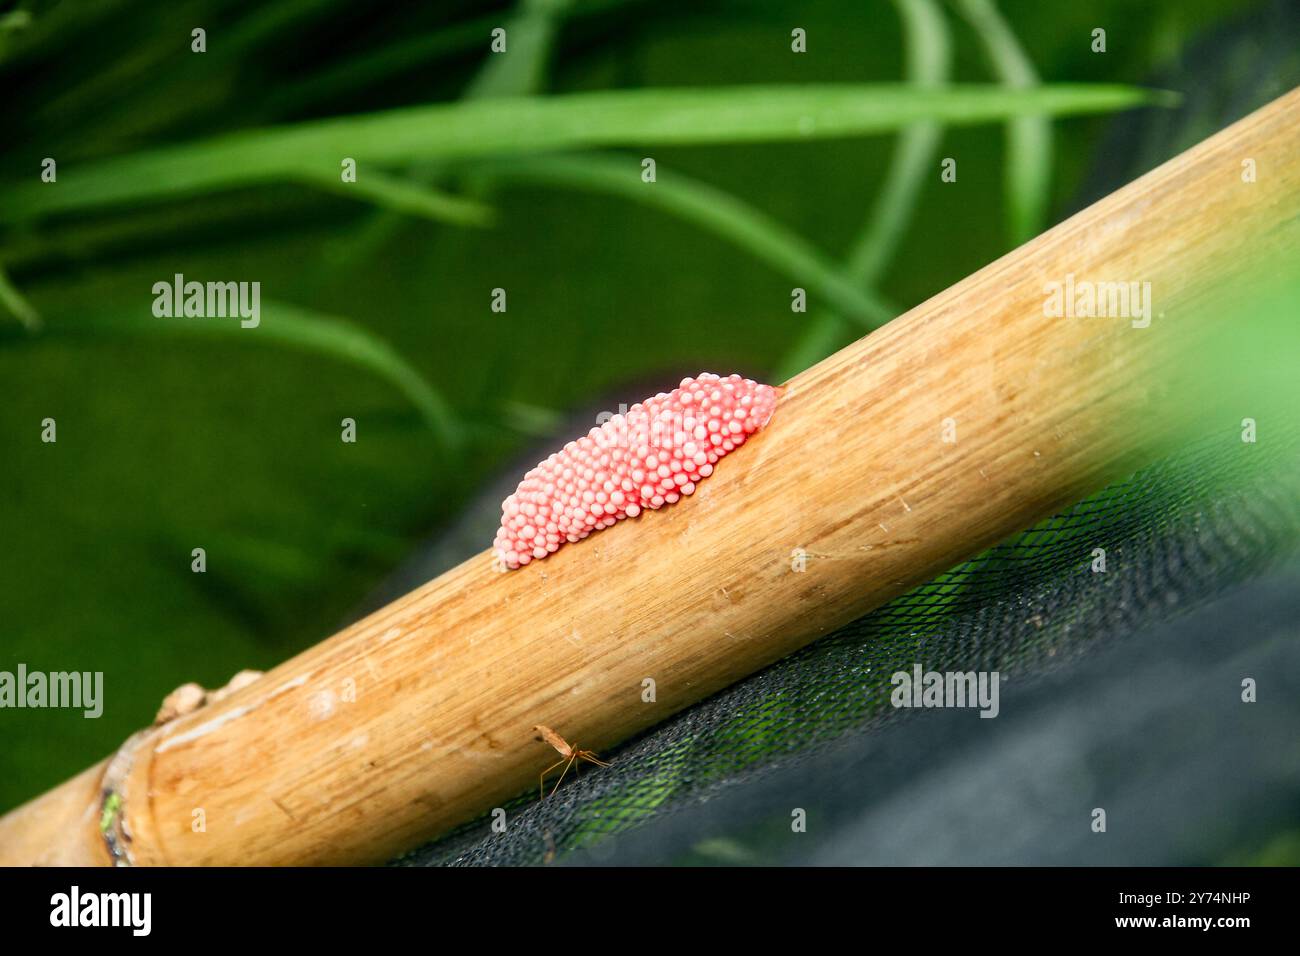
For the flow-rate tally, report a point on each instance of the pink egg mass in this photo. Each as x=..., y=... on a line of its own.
x=652, y=456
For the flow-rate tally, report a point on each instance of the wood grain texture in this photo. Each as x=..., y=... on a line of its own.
x=450, y=679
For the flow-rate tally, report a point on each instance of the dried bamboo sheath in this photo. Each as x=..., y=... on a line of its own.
x=853, y=469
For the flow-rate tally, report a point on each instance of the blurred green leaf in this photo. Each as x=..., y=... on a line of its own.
x=928, y=53
x=532, y=124
x=710, y=208
x=17, y=304
x=404, y=196
x=519, y=73
x=1028, y=169
x=928, y=56
x=537, y=19
x=298, y=328
x=529, y=35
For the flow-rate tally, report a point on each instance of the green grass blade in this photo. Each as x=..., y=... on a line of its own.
x=299, y=328
x=405, y=196
x=421, y=51
x=521, y=69
x=708, y=207
x=14, y=22
x=16, y=303
x=360, y=72
x=1029, y=138
x=928, y=51
x=113, y=115
x=928, y=63
x=529, y=418
x=339, y=338
x=533, y=124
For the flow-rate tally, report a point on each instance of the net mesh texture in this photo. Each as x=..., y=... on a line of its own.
x=1175, y=536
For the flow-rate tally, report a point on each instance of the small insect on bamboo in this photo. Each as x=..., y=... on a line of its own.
x=568, y=755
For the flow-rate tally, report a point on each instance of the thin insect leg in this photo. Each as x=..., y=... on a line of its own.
x=541, y=779
x=590, y=757
x=562, y=773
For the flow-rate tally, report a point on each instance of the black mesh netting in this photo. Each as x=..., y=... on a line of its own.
x=1174, y=536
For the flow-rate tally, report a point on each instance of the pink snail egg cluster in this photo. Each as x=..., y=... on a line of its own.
x=652, y=456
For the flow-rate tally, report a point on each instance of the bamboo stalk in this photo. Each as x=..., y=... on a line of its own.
x=420, y=716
